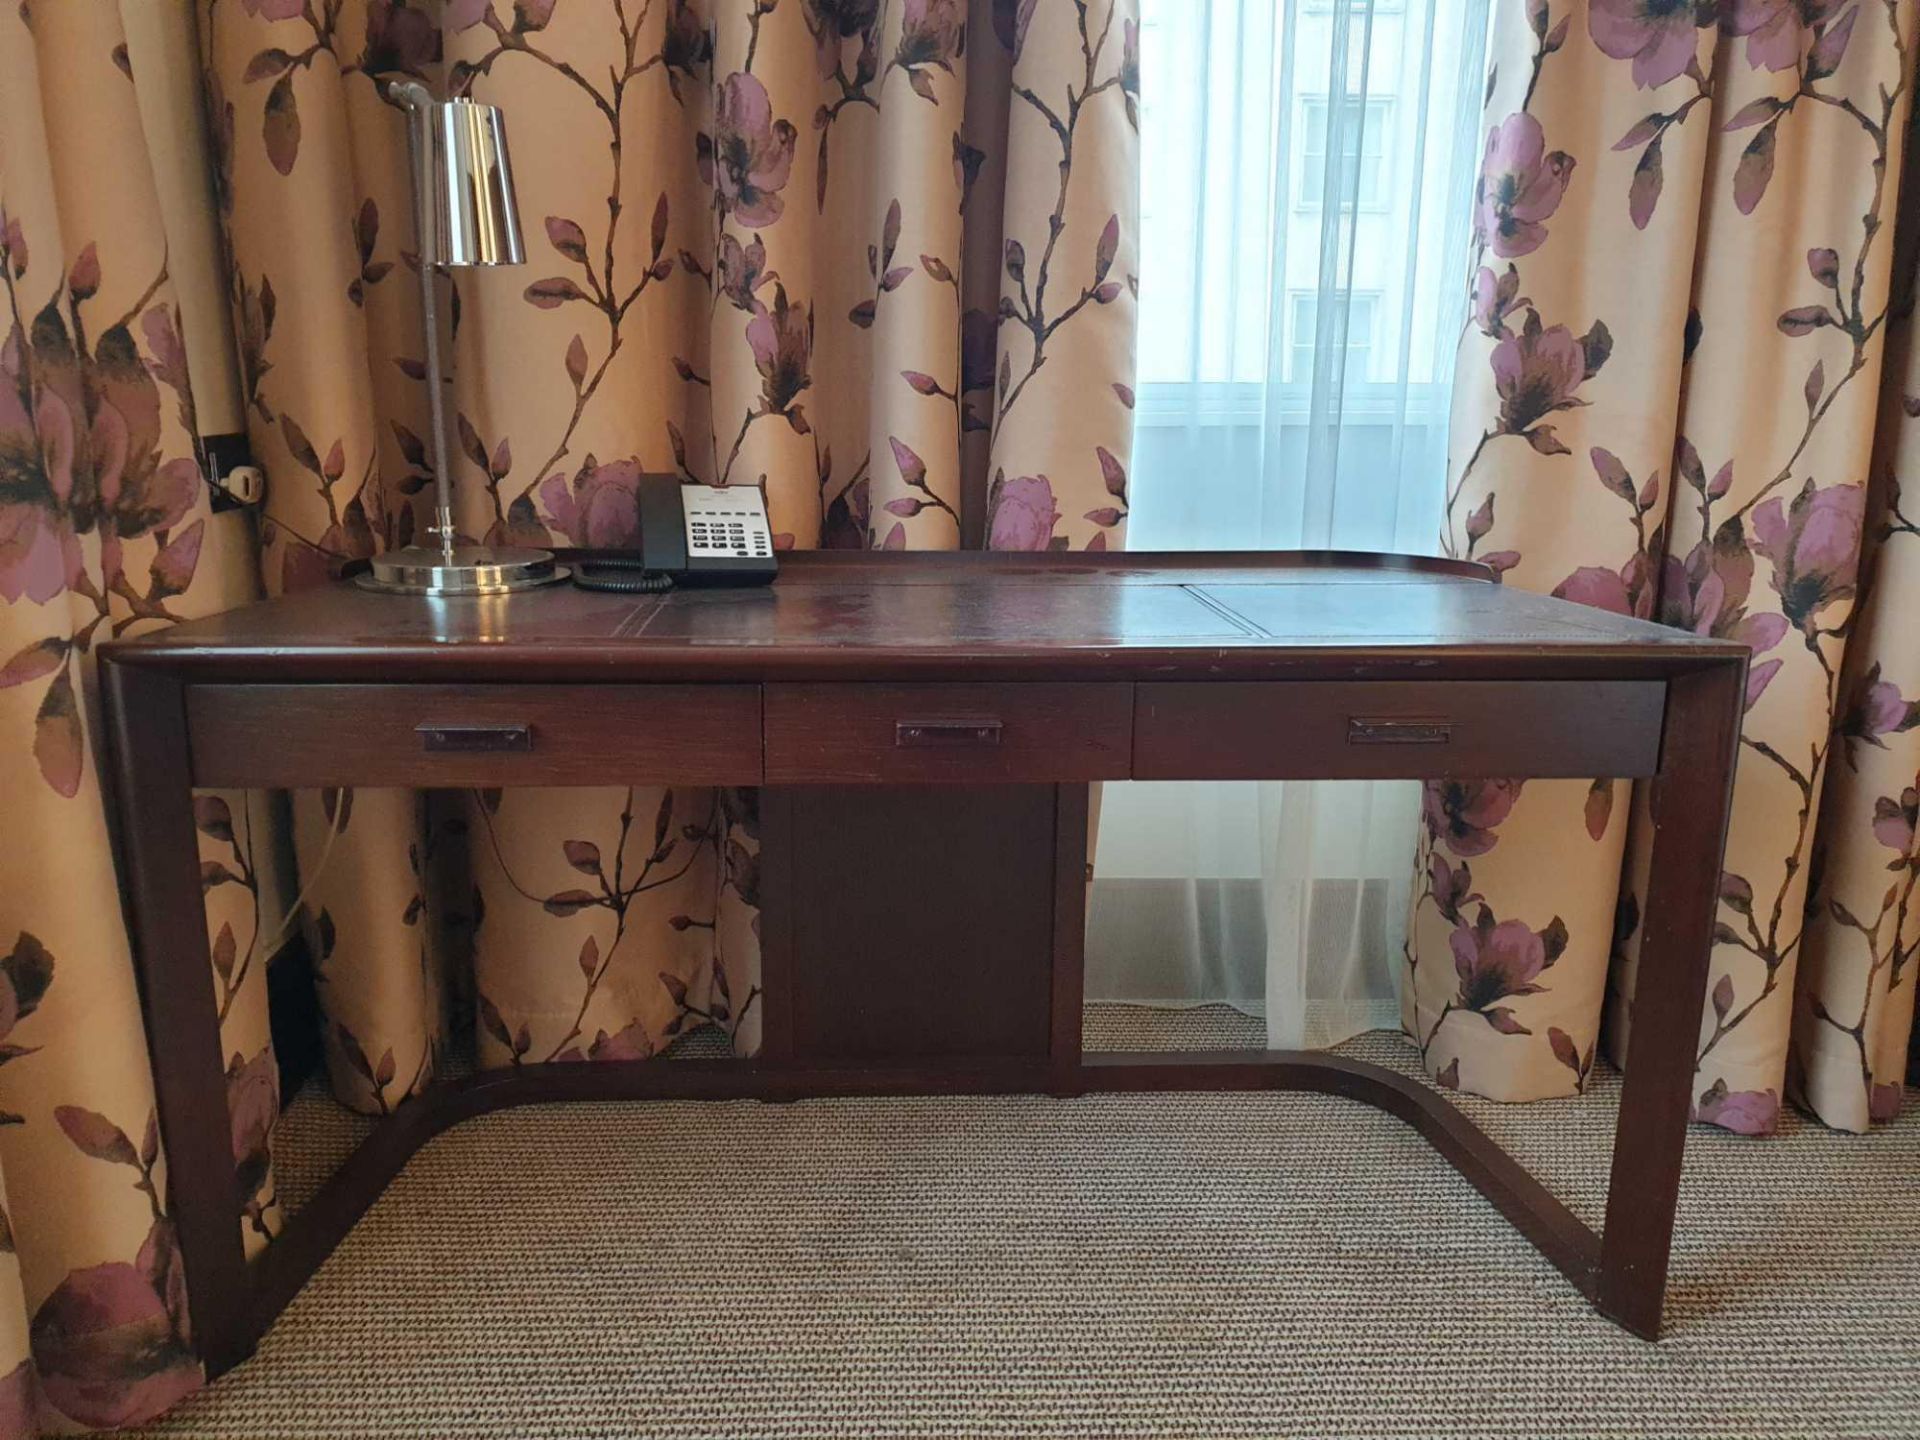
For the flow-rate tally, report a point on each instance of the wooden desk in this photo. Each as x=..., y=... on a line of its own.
x=954, y=707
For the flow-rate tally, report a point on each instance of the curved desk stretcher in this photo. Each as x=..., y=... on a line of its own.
x=927, y=712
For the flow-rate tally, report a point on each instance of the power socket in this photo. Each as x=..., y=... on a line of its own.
x=232, y=477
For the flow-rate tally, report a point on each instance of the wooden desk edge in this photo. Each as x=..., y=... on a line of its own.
x=630, y=663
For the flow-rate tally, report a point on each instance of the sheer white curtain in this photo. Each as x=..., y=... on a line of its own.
x=1306, y=197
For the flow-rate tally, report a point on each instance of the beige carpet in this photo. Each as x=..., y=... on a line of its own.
x=1172, y=1265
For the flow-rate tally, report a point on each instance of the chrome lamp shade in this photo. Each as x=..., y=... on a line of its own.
x=465, y=213
x=478, y=222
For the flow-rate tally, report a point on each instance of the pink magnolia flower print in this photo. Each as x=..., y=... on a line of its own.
x=1814, y=545
x=1886, y=712
x=1450, y=885
x=1539, y=371
x=1777, y=31
x=686, y=43
x=405, y=37
x=740, y=271
x=1022, y=513
x=1623, y=591
x=25, y=975
x=1463, y=815
x=137, y=492
x=1628, y=590
x=1501, y=960
x=932, y=32
x=108, y=1349
x=80, y=443
x=749, y=156
x=848, y=517
x=1875, y=708
x=601, y=509
x=1660, y=36
x=79, y=457
x=1521, y=185
x=253, y=1108
x=1494, y=298
x=629, y=1042
x=109, y=1342
x=781, y=340
x=458, y=15
x=1895, y=821
x=1745, y=1112
x=834, y=21
x=1707, y=593
x=39, y=552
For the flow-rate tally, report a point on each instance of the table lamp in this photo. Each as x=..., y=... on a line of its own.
x=465, y=214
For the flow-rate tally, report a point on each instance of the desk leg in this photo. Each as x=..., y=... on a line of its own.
x=160, y=869
x=1692, y=793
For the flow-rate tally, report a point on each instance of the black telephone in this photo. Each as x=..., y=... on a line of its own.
x=689, y=535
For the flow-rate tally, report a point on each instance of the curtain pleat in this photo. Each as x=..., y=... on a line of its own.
x=1669, y=406
x=105, y=530
x=1851, y=1027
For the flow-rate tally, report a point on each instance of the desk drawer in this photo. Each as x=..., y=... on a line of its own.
x=854, y=733
x=427, y=736
x=1386, y=730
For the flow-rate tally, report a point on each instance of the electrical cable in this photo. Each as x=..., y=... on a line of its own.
x=621, y=576
x=291, y=915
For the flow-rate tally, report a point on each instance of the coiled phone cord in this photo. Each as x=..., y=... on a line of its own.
x=622, y=576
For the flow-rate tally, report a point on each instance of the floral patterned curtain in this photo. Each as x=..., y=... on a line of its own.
x=1689, y=392
x=105, y=530
x=875, y=255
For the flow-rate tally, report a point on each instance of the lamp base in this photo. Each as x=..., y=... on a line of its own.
x=474, y=570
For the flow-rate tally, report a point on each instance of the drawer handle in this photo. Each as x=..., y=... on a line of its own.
x=909, y=734
x=1398, y=732
x=475, y=739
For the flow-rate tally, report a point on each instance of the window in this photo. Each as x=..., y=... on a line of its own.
x=1363, y=148
x=1302, y=321
x=1242, y=441
x=1235, y=138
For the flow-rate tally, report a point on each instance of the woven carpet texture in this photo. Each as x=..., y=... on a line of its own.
x=1158, y=1265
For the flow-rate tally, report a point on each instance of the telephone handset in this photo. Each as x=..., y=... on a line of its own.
x=689, y=535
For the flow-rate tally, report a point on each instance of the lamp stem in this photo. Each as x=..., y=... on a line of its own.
x=419, y=103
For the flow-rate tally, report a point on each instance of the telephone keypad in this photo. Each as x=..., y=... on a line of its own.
x=726, y=523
